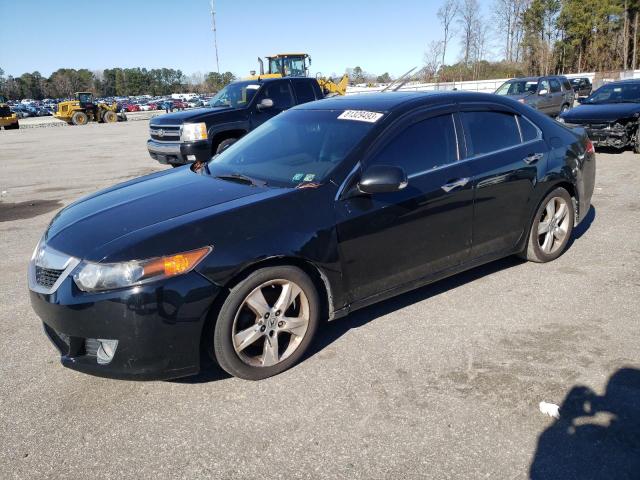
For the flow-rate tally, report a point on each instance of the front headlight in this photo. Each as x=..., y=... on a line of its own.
x=92, y=277
x=190, y=132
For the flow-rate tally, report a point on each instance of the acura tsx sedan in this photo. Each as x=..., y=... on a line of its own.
x=326, y=208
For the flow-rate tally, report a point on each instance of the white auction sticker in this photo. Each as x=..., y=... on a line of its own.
x=360, y=116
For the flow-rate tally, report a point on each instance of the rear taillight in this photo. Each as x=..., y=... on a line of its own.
x=589, y=146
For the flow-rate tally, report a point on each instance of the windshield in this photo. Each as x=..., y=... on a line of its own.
x=616, y=93
x=295, y=147
x=235, y=95
x=518, y=87
x=293, y=66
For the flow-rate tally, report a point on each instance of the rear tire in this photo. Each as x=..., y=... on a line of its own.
x=110, y=117
x=79, y=118
x=551, y=228
x=266, y=323
x=636, y=144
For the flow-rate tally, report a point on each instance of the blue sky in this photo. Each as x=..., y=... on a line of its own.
x=377, y=35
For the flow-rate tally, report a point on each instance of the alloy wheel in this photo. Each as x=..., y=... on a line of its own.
x=270, y=323
x=553, y=225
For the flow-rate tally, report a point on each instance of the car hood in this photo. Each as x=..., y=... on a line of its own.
x=82, y=228
x=188, y=116
x=606, y=112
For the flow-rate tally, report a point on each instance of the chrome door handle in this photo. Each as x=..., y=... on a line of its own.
x=533, y=158
x=461, y=182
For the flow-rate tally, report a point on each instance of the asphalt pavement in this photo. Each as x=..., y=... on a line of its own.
x=442, y=382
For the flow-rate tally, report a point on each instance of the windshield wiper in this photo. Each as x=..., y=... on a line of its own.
x=240, y=178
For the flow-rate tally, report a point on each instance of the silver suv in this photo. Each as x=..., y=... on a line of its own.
x=552, y=94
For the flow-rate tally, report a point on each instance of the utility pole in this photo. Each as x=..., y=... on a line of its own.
x=215, y=35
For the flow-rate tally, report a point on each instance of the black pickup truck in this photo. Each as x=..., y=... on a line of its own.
x=184, y=137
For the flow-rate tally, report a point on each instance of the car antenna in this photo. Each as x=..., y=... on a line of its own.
x=400, y=78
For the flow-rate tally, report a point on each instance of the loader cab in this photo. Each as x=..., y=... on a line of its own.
x=289, y=64
x=85, y=99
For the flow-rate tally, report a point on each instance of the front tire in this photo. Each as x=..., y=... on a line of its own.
x=551, y=228
x=266, y=323
x=223, y=145
x=109, y=117
x=79, y=118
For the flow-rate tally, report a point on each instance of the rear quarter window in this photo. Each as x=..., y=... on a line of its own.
x=488, y=132
x=529, y=130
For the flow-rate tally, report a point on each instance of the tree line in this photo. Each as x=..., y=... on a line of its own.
x=109, y=83
x=534, y=37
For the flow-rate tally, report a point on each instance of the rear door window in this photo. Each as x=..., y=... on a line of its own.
x=422, y=146
x=304, y=91
x=280, y=93
x=488, y=132
x=555, y=85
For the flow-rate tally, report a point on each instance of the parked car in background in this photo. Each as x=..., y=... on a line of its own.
x=610, y=115
x=550, y=94
x=185, y=137
x=581, y=86
x=195, y=103
x=325, y=209
x=179, y=104
x=132, y=107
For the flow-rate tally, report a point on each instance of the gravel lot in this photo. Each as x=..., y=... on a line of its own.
x=442, y=382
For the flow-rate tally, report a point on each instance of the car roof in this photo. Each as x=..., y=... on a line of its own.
x=619, y=82
x=388, y=101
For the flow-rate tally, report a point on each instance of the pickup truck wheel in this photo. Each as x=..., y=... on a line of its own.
x=223, y=145
x=79, y=118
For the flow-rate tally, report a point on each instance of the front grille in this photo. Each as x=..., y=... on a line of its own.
x=164, y=134
x=47, y=277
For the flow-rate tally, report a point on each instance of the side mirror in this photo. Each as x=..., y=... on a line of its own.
x=544, y=91
x=265, y=104
x=383, y=179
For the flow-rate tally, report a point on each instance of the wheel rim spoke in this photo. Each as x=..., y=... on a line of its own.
x=543, y=227
x=256, y=302
x=247, y=337
x=561, y=212
x=551, y=208
x=289, y=293
x=295, y=325
x=548, y=242
x=270, y=352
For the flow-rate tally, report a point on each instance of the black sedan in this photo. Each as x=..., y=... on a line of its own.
x=326, y=208
x=610, y=115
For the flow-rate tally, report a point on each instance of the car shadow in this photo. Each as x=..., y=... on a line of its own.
x=583, y=226
x=596, y=437
x=332, y=331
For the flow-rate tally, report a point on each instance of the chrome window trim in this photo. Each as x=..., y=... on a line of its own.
x=68, y=264
x=538, y=137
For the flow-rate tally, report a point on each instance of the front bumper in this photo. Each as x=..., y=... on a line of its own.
x=609, y=135
x=158, y=326
x=177, y=153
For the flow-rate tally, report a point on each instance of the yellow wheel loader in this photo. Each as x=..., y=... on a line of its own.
x=83, y=110
x=8, y=119
x=295, y=65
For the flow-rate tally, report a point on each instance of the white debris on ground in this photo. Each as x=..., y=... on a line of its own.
x=550, y=409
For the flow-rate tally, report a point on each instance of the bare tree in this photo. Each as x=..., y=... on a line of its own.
x=507, y=18
x=432, y=59
x=468, y=14
x=447, y=14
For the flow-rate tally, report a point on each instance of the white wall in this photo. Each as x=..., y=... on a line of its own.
x=484, y=86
